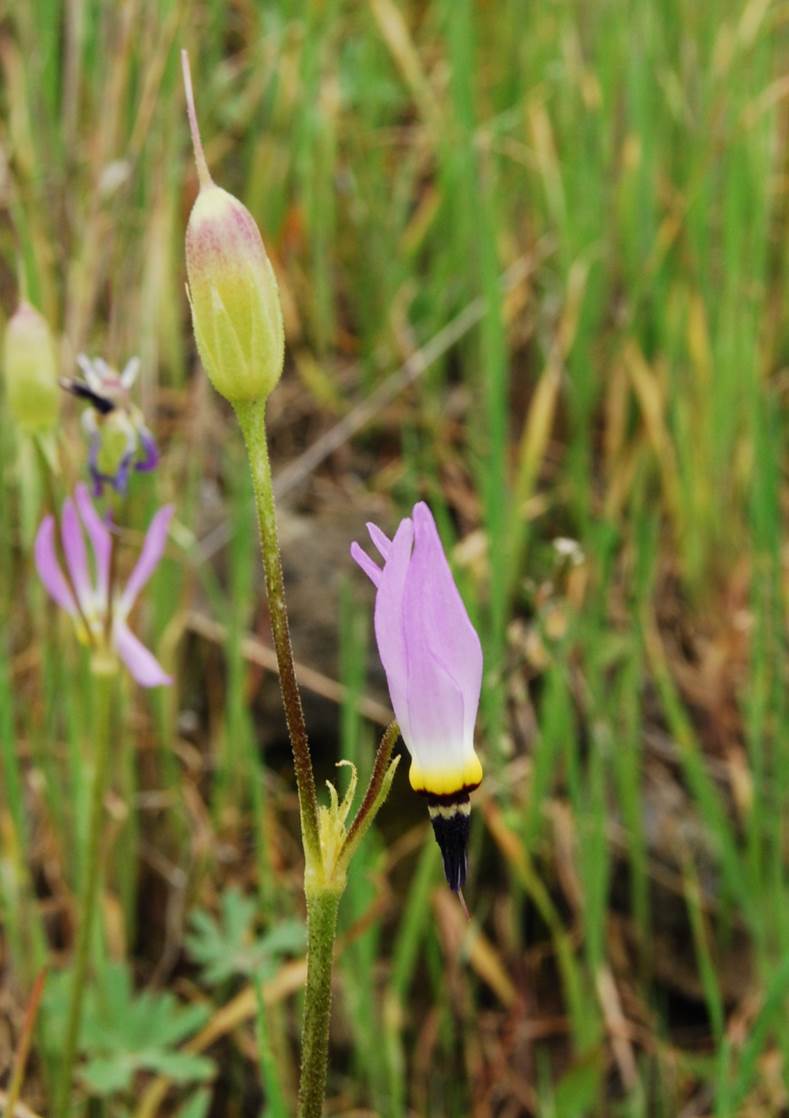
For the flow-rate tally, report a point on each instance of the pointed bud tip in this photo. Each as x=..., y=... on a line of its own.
x=214, y=205
x=203, y=174
x=25, y=309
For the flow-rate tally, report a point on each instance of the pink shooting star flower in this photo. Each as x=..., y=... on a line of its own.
x=99, y=613
x=433, y=662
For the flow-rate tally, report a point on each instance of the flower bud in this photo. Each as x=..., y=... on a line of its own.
x=233, y=294
x=30, y=370
x=236, y=312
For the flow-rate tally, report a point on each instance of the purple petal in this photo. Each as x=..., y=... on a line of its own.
x=365, y=562
x=152, y=548
x=75, y=553
x=442, y=621
x=48, y=566
x=435, y=702
x=389, y=624
x=150, y=455
x=381, y=541
x=141, y=662
x=120, y=479
x=100, y=539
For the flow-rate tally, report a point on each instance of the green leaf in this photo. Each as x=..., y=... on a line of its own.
x=124, y=1033
x=181, y=1067
x=226, y=947
x=106, y=1077
x=196, y=1106
x=578, y=1088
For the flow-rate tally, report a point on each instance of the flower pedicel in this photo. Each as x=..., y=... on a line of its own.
x=433, y=662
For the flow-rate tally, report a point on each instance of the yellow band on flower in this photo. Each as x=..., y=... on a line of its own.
x=447, y=780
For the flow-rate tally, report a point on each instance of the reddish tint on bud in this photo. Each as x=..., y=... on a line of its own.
x=30, y=370
x=236, y=312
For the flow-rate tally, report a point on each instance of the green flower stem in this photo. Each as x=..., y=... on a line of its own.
x=251, y=417
x=322, y=905
x=23, y=1046
x=104, y=671
x=323, y=899
x=324, y=885
x=48, y=474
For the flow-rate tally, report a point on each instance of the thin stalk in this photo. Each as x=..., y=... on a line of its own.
x=202, y=166
x=25, y=1039
x=323, y=899
x=251, y=417
x=380, y=769
x=322, y=906
x=103, y=677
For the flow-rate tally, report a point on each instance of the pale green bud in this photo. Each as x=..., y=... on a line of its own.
x=233, y=293
x=236, y=313
x=30, y=370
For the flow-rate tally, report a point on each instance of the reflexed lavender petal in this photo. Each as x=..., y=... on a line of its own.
x=103, y=369
x=140, y=661
x=152, y=548
x=365, y=562
x=129, y=374
x=381, y=541
x=389, y=624
x=120, y=480
x=48, y=566
x=150, y=458
x=74, y=550
x=88, y=372
x=429, y=649
x=444, y=622
x=435, y=701
x=100, y=539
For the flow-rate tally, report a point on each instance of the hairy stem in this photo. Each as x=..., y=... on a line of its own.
x=322, y=906
x=251, y=417
x=103, y=677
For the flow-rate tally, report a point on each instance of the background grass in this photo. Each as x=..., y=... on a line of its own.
x=532, y=261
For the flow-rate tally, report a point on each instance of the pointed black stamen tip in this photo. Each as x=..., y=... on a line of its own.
x=451, y=821
x=85, y=392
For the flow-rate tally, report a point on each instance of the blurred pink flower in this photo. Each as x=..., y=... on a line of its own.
x=95, y=598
